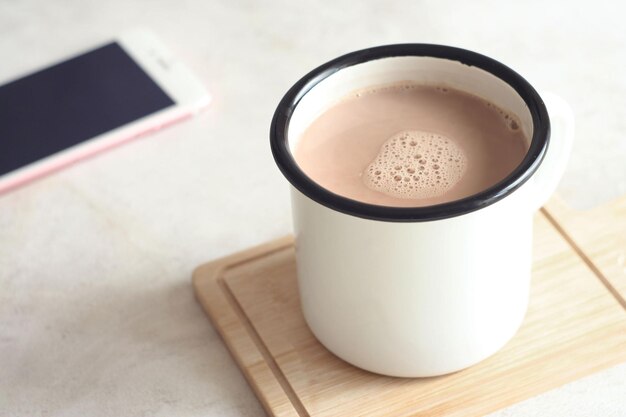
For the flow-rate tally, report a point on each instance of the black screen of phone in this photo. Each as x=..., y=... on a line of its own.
x=68, y=103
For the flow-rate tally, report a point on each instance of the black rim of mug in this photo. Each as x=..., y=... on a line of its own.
x=288, y=166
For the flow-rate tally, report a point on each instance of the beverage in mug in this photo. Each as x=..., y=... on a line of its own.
x=416, y=171
x=410, y=145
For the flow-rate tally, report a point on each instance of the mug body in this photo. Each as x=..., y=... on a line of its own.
x=413, y=299
x=418, y=291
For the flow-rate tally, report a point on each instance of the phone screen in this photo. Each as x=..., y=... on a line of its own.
x=71, y=102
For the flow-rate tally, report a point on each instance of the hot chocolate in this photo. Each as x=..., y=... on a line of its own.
x=411, y=145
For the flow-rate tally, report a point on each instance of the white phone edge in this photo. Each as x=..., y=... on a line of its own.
x=169, y=73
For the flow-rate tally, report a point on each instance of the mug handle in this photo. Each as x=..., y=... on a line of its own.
x=549, y=173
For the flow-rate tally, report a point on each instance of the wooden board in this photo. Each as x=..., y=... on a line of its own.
x=599, y=235
x=574, y=327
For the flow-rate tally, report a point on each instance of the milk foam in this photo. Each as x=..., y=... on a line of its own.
x=414, y=164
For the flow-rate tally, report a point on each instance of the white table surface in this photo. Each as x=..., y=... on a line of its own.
x=97, y=314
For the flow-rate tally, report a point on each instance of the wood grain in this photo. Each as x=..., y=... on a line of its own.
x=574, y=327
x=599, y=234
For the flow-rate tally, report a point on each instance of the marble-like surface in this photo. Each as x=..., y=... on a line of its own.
x=97, y=315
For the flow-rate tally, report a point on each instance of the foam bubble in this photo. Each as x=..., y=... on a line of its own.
x=413, y=164
x=509, y=119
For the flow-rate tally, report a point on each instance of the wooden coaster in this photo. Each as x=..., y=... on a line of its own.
x=574, y=327
x=600, y=236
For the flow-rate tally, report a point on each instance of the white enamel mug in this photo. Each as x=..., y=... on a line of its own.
x=423, y=291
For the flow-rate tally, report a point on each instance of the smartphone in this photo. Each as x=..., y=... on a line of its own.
x=90, y=103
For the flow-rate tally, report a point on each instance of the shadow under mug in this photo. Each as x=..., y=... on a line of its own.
x=430, y=290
